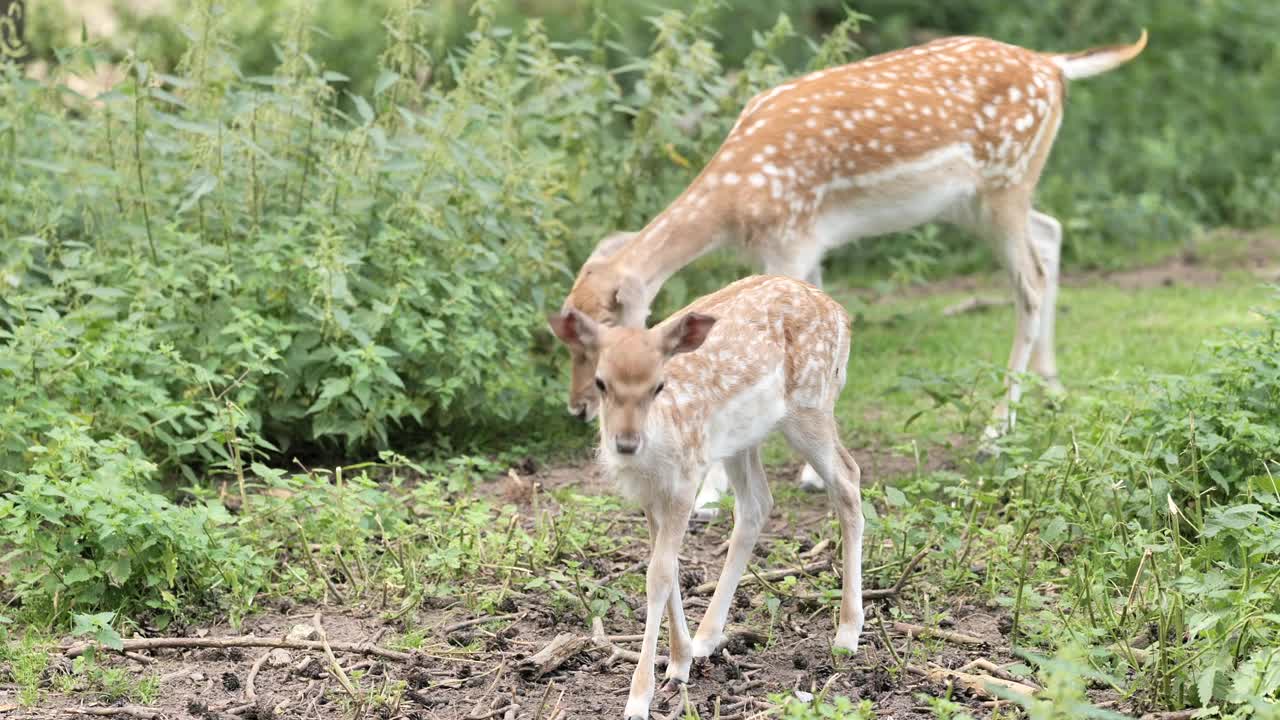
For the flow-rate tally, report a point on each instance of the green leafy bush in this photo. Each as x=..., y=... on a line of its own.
x=85, y=531
x=216, y=266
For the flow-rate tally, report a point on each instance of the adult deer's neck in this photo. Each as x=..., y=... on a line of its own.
x=696, y=223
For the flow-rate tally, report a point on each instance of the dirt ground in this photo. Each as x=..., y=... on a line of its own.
x=449, y=682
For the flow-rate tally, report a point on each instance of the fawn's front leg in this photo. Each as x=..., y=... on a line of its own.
x=667, y=522
x=752, y=502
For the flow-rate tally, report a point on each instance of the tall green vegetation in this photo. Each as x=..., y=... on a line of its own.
x=218, y=268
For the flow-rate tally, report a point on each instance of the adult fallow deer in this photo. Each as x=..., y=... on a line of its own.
x=956, y=130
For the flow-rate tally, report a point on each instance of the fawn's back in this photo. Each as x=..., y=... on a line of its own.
x=779, y=345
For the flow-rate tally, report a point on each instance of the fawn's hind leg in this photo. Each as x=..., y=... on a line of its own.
x=815, y=437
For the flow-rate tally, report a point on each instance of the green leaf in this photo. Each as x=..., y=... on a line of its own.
x=1204, y=685
x=109, y=637
x=363, y=108
x=894, y=496
x=385, y=80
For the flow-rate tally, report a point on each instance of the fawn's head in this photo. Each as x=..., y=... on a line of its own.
x=629, y=372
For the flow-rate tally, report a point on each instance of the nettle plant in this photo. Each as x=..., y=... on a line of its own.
x=206, y=270
x=84, y=533
x=290, y=264
x=1165, y=497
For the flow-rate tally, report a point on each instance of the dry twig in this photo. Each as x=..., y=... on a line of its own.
x=250, y=692
x=137, y=711
x=973, y=304
x=808, y=569
x=244, y=641
x=915, y=631
x=974, y=683
x=455, y=627
x=995, y=670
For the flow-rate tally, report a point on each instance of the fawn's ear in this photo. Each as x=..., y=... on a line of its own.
x=575, y=329
x=687, y=334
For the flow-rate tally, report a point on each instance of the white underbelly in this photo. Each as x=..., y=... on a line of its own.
x=936, y=186
x=748, y=418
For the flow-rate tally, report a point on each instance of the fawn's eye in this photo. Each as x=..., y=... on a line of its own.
x=659, y=388
x=600, y=385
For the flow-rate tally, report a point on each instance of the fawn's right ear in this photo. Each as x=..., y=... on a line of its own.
x=687, y=334
x=575, y=329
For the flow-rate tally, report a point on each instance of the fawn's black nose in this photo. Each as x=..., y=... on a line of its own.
x=627, y=444
x=579, y=412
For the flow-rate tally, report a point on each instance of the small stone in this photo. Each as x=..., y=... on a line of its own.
x=303, y=632
x=803, y=696
x=197, y=677
x=279, y=658
x=309, y=667
x=230, y=682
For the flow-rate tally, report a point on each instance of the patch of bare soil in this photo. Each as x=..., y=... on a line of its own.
x=1204, y=262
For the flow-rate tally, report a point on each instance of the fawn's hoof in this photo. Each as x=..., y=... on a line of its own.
x=847, y=639
x=707, y=648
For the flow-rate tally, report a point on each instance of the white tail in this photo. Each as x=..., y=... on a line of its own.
x=771, y=353
x=1098, y=60
x=956, y=130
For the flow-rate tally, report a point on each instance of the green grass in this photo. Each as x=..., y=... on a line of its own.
x=1104, y=333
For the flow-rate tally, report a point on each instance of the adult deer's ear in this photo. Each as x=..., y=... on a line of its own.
x=629, y=306
x=610, y=244
x=687, y=334
x=575, y=329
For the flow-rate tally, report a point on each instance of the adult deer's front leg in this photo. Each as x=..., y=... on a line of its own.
x=667, y=521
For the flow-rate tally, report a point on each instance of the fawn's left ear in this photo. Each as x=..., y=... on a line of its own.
x=687, y=334
x=575, y=329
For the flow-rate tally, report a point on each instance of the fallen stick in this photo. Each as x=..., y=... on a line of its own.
x=243, y=641
x=617, y=652
x=559, y=651
x=975, y=683
x=877, y=593
x=335, y=668
x=915, y=631
x=493, y=713
x=809, y=569
x=1172, y=715
x=995, y=670
x=140, y=658
x=817, y=550
x=451, y=629
x=973, y=304
x=250, y=692
x=137, y=711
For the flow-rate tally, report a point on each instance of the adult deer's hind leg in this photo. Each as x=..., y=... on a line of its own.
x=1010, y=227
x=1046, y=237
